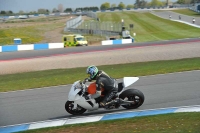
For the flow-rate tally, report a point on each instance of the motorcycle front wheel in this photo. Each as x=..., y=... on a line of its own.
x=132, y=95
x=69, y=108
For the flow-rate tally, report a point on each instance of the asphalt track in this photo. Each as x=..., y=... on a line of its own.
x=175, y=16
x=161, y=91
x=73, y=50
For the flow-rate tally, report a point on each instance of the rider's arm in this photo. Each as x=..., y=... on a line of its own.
x=96, y=95
x=98, y=90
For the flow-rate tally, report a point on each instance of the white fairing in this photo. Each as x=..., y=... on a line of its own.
x=129, y=81
x=81, y=101
x=72, y=96
x=91, y=105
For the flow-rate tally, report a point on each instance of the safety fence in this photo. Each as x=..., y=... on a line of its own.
x=93, y=27
x=73, y=22
x=93, y=32
x=195, y=8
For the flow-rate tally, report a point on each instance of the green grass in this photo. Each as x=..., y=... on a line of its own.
x=28, y=34
x=45, y=78
x=168, y=123
x=146, y=26
x=151, y=28
x=187, y=12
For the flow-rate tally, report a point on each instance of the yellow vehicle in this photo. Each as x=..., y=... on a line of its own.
x=74, y=40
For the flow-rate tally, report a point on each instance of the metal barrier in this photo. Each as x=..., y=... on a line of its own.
x=94, y=32
x=77, y=25
x=74, y=22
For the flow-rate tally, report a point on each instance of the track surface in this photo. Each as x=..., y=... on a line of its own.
x=175, y=16
x=45, y=53
x=178, y=89
x=98, y=55
x=170, y=90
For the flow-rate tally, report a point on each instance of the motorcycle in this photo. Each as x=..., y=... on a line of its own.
x=78, y=103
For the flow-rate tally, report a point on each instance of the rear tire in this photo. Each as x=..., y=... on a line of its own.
x=69, y=108
x=133, y=95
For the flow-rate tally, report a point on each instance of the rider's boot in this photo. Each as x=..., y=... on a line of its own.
x=116, y=102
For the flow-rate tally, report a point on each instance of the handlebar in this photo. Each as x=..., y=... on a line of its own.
x=86, y=80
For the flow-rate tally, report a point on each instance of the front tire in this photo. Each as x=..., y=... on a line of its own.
x=69, y=108
x=133, y=95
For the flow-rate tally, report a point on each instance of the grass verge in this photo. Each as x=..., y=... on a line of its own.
x=149, y=27
x=28, y=80
x=168, y=123
x=28, y=34
x=187, y=12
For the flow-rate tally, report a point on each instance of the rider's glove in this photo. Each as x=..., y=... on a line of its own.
x=87, y=80
x=87, y=97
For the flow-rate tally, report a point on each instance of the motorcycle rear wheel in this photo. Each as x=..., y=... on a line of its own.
x=69, y=108
x=133, y=95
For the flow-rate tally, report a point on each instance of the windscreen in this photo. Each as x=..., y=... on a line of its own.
x=80, y=39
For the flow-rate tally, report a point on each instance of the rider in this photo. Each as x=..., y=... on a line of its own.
x=104, y=81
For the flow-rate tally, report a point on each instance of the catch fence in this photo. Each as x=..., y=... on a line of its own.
x=78, y=25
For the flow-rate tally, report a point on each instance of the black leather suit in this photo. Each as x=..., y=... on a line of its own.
x=103, y=80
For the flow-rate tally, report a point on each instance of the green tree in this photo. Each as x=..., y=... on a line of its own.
x=188, y=1
x=21, y=12
x=143, y=4
x=10, y=12
x=42, y=11
x=68, y=10
x=121, y=5
x=113, y=6
x=140, y=4
x=3, y=12
x=129, y=6
x=105, y=6
x=195, y=1
x=137, y=2
x=156, y=3
x=54, y=10
x=181, y=2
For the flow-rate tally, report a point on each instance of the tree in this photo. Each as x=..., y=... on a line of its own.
x=42, y=11
x=188, y=1
x=68, y=10
x=143, y=4
x=113, y=5
x=156, y=3
x=121, y=5
x=86, y=9
x=54, y=10
x=10, y=12
x=3, y=12
x=195, y=1
x=140, y=4
x=129, y=6
x=60, y=8
x=94, y=8
x=21, y=12
x=181, y=2
x=105, y=6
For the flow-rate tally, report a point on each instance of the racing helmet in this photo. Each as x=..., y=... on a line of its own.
x=92, y=71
